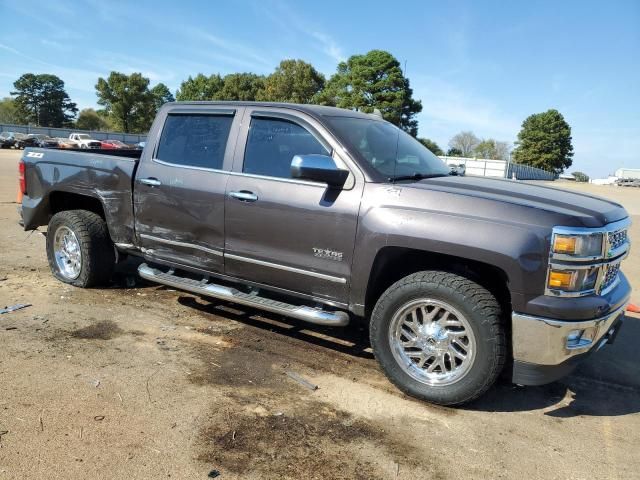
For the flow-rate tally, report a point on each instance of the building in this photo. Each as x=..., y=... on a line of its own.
x=628, y=173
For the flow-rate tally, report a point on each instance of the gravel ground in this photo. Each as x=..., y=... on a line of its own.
x=140, y=381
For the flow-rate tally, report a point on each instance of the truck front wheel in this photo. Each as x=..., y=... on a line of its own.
x=79, y=249
x=439, y=337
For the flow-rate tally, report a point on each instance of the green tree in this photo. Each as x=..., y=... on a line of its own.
x=580, y=177
x=42, y=100
x=241, y=87
x=454, y=152
x=373, y=80
x=127, y=101
x=294, y=81
x=545, y=142
x=161, y=95
x=89, y=119
x=9, y=112
x=431, y=145
x=465, y=142
x=491, y=149
x=200, y=88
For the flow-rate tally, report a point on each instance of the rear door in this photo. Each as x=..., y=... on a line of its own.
x=284, y=232
x=179, y=191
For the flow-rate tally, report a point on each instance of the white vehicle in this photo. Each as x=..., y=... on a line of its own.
x=84, y=140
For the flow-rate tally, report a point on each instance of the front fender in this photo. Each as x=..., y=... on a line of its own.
x=428, y=221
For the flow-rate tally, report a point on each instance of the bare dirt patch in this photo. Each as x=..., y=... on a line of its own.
x=103, y=330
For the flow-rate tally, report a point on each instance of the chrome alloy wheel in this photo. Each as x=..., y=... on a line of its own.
x=432, y=342
x=66, y=249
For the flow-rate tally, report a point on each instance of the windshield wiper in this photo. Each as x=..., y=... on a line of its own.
x=417, y=176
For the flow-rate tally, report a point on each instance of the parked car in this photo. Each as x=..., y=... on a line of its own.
x=84, y=140
x=628, y=182
x=7, y=139
x=332, y=216
x=113, y=144
x=36, y=140
x=66, y=143
x=44, y=141
x=459, y=169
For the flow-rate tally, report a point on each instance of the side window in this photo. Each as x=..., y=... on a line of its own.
x=273, y=143
x=195, y=140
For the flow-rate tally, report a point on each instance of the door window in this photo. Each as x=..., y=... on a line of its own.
x=272, y=144
x=195, y=140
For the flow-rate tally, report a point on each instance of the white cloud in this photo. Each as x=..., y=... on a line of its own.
x=329, y=46
x=234, y=51
x=447, y=109
x=284, y=16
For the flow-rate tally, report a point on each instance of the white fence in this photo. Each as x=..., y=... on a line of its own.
x=499, y=169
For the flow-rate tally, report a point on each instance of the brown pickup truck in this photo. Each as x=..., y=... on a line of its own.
x=332, y=216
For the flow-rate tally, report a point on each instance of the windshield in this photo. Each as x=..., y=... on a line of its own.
x=388, y=149
x=84, y=136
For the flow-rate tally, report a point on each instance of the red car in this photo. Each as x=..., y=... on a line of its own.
x=113, y=144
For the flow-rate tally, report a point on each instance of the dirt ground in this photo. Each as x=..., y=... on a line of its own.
x=141, y=381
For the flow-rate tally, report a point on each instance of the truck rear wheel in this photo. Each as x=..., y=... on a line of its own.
x=439, y=337
x=79, y=249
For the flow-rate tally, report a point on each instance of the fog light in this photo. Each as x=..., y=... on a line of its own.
x=580, y=338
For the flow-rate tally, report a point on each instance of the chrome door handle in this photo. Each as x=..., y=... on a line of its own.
x=244, y=196
x=153, y=182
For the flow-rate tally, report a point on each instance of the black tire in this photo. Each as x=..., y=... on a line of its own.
x=480, y=309
x=97, y=251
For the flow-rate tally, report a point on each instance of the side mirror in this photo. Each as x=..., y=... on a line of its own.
x=318, y=168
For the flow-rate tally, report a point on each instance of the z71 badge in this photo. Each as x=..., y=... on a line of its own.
x=328, y=254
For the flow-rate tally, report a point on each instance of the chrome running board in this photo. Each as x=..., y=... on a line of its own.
x=206, y=288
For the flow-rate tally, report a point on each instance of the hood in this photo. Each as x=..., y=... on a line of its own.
x=586, y=210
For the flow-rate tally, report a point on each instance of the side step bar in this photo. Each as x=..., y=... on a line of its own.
x=203, y=287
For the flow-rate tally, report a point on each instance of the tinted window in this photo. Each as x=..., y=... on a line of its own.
x=195, y=140
x=273, y=143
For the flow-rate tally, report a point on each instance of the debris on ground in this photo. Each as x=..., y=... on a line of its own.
x=214, y=474
x=302, y=381
x=15, y=307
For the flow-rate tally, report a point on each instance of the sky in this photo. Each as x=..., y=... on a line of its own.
x=482, y=66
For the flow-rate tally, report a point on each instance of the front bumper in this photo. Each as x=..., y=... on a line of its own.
x=545, y=350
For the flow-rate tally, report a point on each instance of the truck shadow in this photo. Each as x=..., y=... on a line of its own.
x=575, y=396
x=353, y=340
x=571, y=397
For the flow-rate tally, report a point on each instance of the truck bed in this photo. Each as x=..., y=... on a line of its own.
x=77, y=176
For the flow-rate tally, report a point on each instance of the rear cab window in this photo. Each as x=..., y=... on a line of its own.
x=194, y=140
x=273, y=142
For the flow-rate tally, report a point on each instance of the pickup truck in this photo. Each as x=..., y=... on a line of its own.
x=332, y=216
x=84, y=140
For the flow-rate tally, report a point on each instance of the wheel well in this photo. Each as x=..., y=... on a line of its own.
x=393, y=263
x=61, y=201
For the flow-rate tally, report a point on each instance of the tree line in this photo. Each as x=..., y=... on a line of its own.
x=544, y=141
x=364, y=82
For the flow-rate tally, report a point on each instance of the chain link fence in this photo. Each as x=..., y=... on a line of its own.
x=130, y=138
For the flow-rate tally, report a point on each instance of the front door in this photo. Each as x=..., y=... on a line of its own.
x=284, y=232
x=180, y=187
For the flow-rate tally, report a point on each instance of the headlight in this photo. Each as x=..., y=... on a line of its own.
x=584, y=261
x=579, y=246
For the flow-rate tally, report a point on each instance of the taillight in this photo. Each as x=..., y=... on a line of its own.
x=21, y=179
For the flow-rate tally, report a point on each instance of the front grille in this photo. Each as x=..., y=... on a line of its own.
x=617, y=239
x=609, y=276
